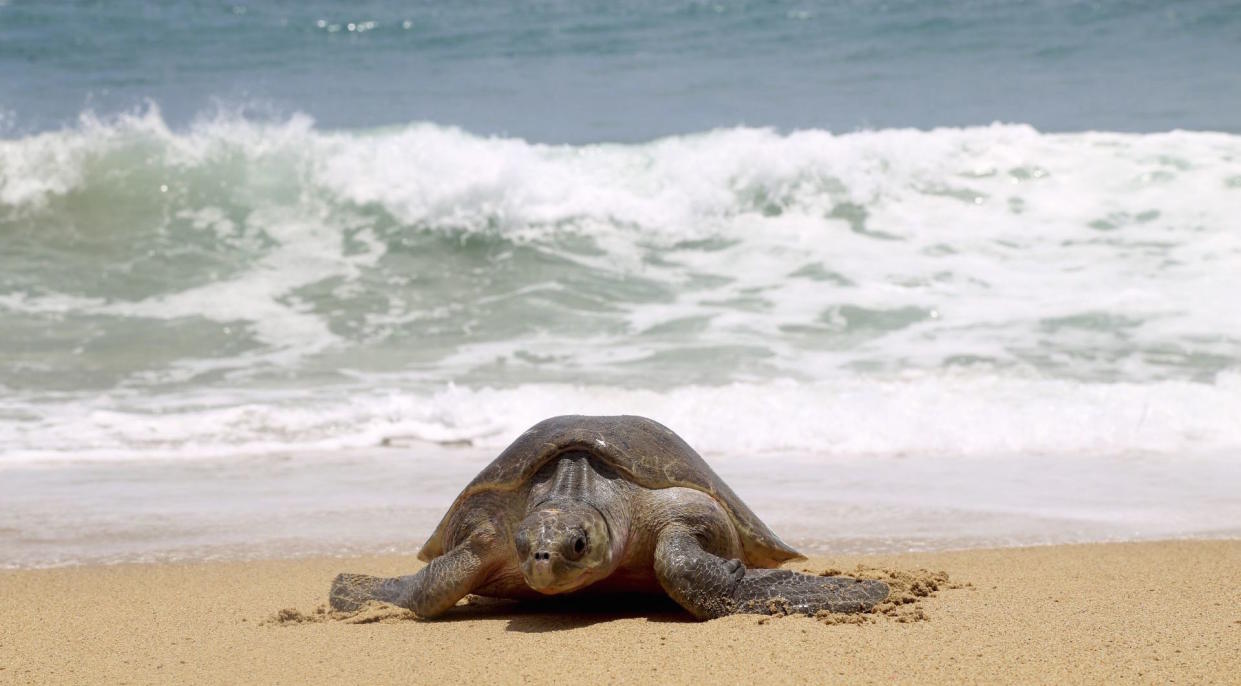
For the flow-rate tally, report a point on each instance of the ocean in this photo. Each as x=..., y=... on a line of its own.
x=911, y=276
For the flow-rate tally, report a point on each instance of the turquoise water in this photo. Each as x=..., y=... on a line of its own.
x=632, y=70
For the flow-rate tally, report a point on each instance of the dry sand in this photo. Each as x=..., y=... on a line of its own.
x=1122, y=613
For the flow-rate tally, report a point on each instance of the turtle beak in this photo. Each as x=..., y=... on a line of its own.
x=540, y=576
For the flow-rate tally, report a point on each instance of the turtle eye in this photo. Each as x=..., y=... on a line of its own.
x=576, y=546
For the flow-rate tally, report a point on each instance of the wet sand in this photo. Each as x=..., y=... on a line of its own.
x=1100, y=613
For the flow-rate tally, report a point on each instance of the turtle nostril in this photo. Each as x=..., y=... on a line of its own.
x=542, y=556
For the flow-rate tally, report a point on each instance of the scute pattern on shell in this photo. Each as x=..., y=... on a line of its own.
x=643, y=450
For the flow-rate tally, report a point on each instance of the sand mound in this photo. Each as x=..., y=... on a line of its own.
x=368, y=614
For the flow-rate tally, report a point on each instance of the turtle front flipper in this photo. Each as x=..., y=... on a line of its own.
x=710, y=586
x=433, y=589
x=351, y=591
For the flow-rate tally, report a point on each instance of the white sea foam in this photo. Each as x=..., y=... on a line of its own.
x=939, y=416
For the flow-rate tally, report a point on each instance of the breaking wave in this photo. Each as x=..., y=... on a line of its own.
x=241, y=286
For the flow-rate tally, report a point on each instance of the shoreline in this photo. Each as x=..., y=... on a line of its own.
x=1089, y=613
x=381, y=501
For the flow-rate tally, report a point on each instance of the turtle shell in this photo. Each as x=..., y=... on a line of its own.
x=642, y=450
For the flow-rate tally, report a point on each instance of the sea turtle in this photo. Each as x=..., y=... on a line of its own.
x=606, y=504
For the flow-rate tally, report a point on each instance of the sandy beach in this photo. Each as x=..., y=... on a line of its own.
x=1103, y=613
x=944, y=293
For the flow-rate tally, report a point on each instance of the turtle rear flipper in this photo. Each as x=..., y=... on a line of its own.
x=710, y=586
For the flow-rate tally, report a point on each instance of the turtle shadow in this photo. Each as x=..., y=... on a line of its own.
x=568, y=613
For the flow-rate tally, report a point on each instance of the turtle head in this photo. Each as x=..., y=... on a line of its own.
x=563, y=547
